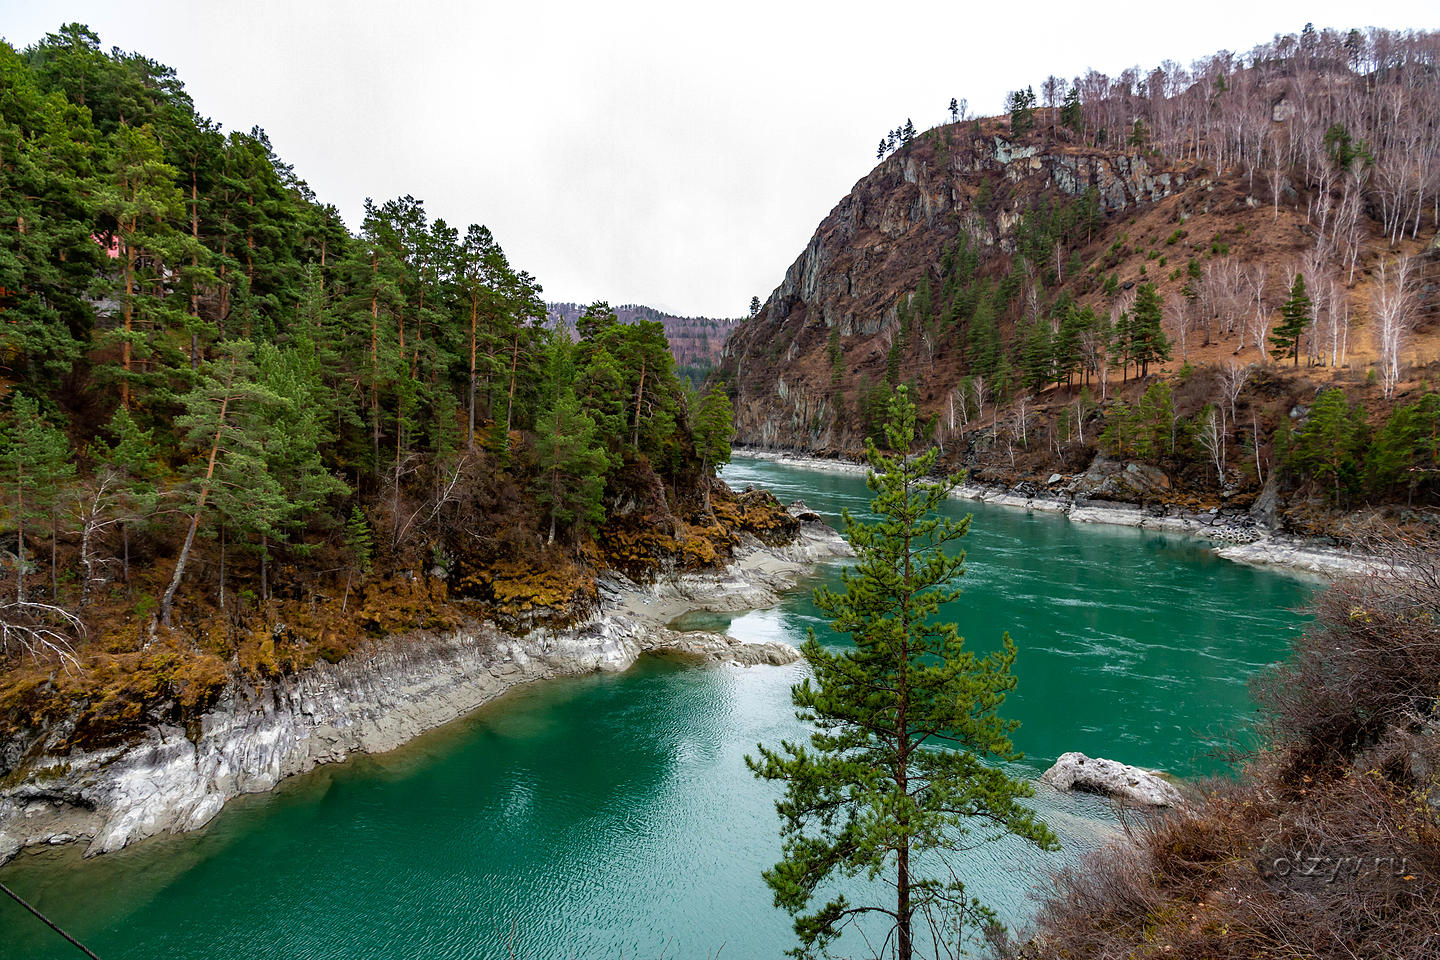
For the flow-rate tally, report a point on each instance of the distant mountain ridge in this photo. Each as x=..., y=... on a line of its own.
x=695, y=342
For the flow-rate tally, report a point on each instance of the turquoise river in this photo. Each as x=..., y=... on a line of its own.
x=612, y=815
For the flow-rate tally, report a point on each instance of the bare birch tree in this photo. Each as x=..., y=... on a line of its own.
x=1393, y=306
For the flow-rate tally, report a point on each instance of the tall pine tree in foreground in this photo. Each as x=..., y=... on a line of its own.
x=895, y=775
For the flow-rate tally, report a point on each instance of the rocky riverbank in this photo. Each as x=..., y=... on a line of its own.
x=1237, y=535
x=175, y=780
x=793, y=459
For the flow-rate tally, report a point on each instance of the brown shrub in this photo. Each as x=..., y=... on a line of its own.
x=1328, y=846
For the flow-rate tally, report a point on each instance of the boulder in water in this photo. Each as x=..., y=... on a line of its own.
x=1075, y=771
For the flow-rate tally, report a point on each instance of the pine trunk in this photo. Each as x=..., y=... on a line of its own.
x=129, y=321
x=167, y=602
x=375, y=364
x=19, y=528
x=510, y=404
x=474, y=310
x=194, y=264
x=639, y=399
x=903, y=943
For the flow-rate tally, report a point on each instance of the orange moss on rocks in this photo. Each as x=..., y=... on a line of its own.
x=126, y=680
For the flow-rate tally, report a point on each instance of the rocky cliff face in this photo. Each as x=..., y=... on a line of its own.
x=870, y=254
x=695, y=342
x=174, y=780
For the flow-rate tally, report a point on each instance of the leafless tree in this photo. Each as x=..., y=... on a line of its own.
x=1225, y=282
x=1349, y=230
x=1278, y=168
x=1393, y=307
x=96, y=514
x=1021, y=416
x=1179, y=308
x=1260, y=314
x=39, y=630
x=1232, y=380
x=1212, y=439
x=1316, y=268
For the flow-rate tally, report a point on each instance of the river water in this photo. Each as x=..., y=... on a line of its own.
x=612, y=816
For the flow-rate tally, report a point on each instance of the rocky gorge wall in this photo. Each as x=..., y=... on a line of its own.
x=175, y=780
x=872, y=250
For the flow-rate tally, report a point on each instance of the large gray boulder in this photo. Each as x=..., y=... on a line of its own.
x=1075, y=771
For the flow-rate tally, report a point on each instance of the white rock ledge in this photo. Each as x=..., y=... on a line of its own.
x=1075, y=771
x=376, y=700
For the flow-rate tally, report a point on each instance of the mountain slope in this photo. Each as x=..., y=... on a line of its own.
x=988, y=224
x=695, y=342
x=871, y=254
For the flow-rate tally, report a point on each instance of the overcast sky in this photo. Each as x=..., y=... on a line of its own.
x=674, y=154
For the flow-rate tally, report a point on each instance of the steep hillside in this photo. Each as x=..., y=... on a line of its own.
x=236, y=438
x=695, y=342
x=1002, y=269
x=889, y=238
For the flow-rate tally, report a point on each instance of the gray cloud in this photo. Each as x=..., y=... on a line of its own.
x=665, y=153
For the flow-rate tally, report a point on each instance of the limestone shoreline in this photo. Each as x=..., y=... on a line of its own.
x=173, y=780
x=1232, y=538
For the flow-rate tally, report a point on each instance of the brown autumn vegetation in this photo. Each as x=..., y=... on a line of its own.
x=498, y=570
x=1328, y=844
x=1218, y=183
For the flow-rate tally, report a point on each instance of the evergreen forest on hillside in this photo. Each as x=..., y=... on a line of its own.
x=221, y=409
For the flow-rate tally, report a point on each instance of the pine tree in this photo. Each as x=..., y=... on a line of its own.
x=145, y=203
x=713, y=430
x=984, y=335
x=905, y=716
x=572, y=464
x=1328, y=446
x=359, y=541
x=1154, y=422
x=48, y=259
x=1295, y=317
x=1145, y=336
x=481, y=262
x=892, y=360
x=132, y=461
x=1021, y=104
x=1118, y=437
x=1071, y=114
x=222, y=425
x=1003, y=382
x=1074, y=322
x=1037, y=356
x=1407, y=449
x=36, y=469
x=291, y=427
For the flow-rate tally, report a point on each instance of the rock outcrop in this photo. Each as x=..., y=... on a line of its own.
x=174, y=780
x=874, y=248
x=1075, y=771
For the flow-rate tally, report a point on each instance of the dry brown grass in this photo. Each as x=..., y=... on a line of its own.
x=1328, y=845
